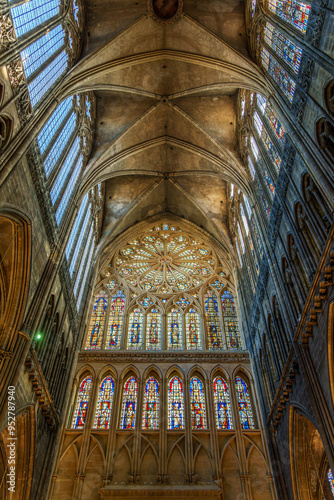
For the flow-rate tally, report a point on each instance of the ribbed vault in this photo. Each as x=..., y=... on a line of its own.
x=166, y=111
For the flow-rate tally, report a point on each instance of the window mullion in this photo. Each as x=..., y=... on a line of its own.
x=65, y=182
x=42, y=67
x=267, y=161
x=259, y=175
x=57, y=134
x=270, y=131
x=282, y=63
x=60, y=162
x=78, y=231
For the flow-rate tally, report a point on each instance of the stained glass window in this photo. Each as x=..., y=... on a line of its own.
x=212, y=321
x=151, y=405
x=330, y=478
x=146, y=302
x=222, y=404
x=293, y=12
x=238, y=252
x=29, y=15
x=135, y=331
x=46, y=78
x=193, y=333
x=175, y=404
x=174, y=330
x=115, y=322
x=272, y=118
x=153, y=330
x=87, y=268
x=59, y=144
x=271, y=149
x=81, y=408
x=262, y=197
x=278, y=74
x=182, y=302
x=230, y=321
x=98, y=318
x=129, y=404
x=104, y=404
x=197, y=404
x=69, y=190
x=251, y=167
x=283, y=47
x=78, y=221
x=244, y=404
x=65, y=170
x=52, y=125
x=241, y=238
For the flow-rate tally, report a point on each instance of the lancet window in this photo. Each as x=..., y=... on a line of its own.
x=98, y=318
x=330, y=477
x=212, y=321
x=231, y=325
x=151, y=403
x=294, y=12
x=193, y=330
x=223, y=412
x=28, y=15
x=151, y=406
x=129, y=404
x=244, y=404
x=283, y=47
x=153, y=330
x=104, y=404
x=115, y=322
x=197, y=404
x=175, y=404
x=135, y=330
x=81, y=408
x=174, y=329
x=278, y=74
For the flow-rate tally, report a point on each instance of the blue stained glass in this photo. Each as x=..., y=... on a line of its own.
x=44, y=80
x=174, y=330
x=212, y=321
x=135, y=332
x=129, y=404
x=230, y=321
x=59, y=145
x=98, y=318
x=222, y=404
x=330, y=478
x=81, y=408
x=283, y=47
x=175, y=404
x=270, y=148
x=280, y=76
x=115, y=321
x=151, y=405
x=193, y=336
x=53, y=124
x=262, y=197
x=244, y=404
x=293, y=12
x=36, y=54
x=104, y=404
x=64, y=171
x=153, y=330
x=29, y=15
x=66, y=198
x=197, y=404
x=79, y=218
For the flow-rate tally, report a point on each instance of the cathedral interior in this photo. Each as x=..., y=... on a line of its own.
x=166, y=249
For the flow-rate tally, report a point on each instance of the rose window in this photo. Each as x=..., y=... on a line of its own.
x=165, y=260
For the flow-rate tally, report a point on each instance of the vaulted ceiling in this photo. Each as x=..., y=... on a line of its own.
x=166, y=110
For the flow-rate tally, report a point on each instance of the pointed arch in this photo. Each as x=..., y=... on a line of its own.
x=97, y=322
x=153, y=329
x=135, y=329
x=175, y=403
x=151, y=404
x=174, y=330
x=116, y=318
x=222, y=404
x=193, y=329
x=244, y=403
x=82, y=403
x=197, y=403
x=129, y=403
x=212, y=318
x=104, y=403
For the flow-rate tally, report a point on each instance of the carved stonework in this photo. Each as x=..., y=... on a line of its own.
x=305, y=72
x=16, y=76
x=315, y=24
x=164, y=357
x=165, y=11
x=298, y=106
x=7, y=32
